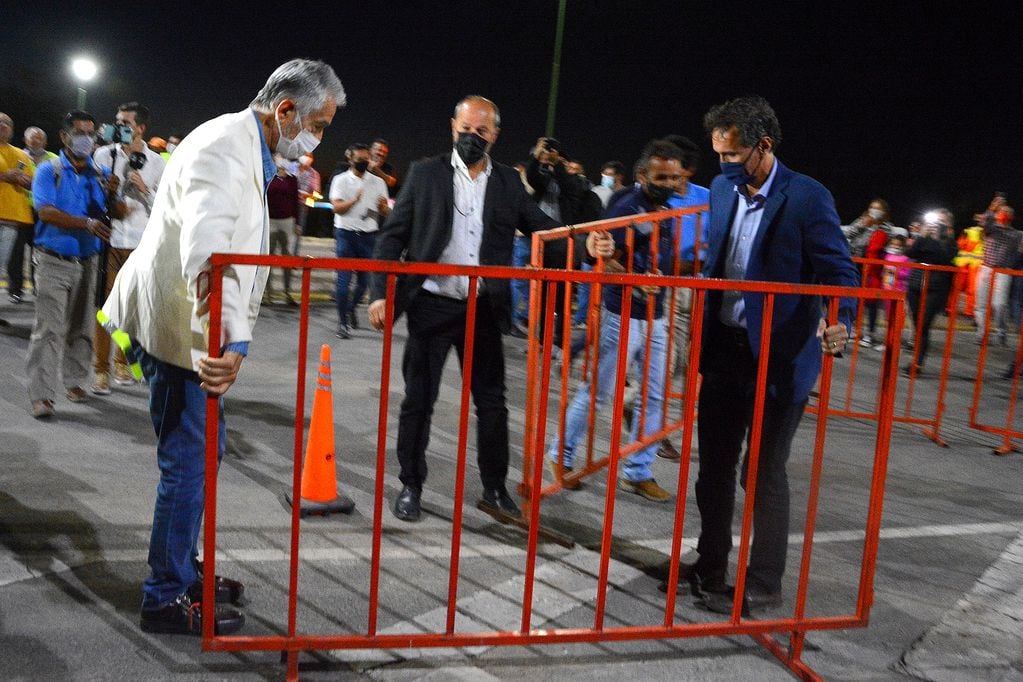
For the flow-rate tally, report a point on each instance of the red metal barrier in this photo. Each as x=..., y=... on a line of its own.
x=1007, y=430
x=592, y=347
x=797, y=624
x=931, y=420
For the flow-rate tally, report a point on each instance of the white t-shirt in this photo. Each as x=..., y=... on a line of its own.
x=363, y=216
x=126, y=233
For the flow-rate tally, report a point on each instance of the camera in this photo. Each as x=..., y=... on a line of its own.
x=552, y=144
x=114, y=133
x=136, y=160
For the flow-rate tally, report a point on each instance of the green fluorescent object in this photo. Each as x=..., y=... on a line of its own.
x=122, y=340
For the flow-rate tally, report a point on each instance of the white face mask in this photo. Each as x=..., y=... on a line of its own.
x=875, y=213
x=171, y=147
x=301, y=144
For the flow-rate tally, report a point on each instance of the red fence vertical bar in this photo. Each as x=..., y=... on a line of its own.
x=537, y=462
x=612, y=466
x=813, y=494
x=215, y=285
x=463, y=436
x=378, y=486
x=889, y=377
x=753, y=465
x=689, y=412
x=296, y=469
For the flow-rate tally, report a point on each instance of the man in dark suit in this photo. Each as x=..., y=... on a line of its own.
x=457, y=208
x=771, y=224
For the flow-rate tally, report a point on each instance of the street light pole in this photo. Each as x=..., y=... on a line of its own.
x=81, y=98
x=552, y=98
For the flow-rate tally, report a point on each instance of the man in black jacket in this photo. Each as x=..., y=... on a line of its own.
x=456, y=208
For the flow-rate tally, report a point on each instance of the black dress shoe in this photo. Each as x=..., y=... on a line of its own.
x=406, y=506
x=228, y=591
x=755, y=601
x=353, y=321
x=698, y=585
x=183, y=616
x=499, y=499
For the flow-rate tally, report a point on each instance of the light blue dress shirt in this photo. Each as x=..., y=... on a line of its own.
x=745, y=226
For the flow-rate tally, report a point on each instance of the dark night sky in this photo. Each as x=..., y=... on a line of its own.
x=918, y=104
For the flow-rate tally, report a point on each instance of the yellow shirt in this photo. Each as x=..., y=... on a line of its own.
x=14, y=204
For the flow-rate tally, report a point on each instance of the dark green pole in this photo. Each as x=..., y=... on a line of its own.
x=552, y=99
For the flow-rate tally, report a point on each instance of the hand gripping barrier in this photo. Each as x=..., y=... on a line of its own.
x=534, y=627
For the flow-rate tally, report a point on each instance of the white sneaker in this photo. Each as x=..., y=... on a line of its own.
x=866, y=342
x=101, y=384
x=123, y=376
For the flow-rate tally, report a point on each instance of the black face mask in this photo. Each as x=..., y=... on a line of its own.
x=470, y=147
x=361, y=166
x=658, y=194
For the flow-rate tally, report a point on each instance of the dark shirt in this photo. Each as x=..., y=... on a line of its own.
x=933, y=252
x=1001, y=243
x=282, y=197
x=634, y=202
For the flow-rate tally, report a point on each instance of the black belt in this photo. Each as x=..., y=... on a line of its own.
x=51, y=252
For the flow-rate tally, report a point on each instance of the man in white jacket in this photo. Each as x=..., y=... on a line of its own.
x=212, y=199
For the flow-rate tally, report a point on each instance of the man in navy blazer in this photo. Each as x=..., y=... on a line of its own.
x=771, y=224
x=459, y=208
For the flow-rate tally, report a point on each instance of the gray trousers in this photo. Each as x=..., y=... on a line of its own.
x=64, y=324
x=8, y=237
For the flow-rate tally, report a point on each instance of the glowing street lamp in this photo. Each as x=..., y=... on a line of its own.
x=84, y=70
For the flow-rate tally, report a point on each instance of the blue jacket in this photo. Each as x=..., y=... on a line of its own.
x=798, y=242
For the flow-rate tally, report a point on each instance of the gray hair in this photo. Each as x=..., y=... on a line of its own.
x=307, y=83
x=479, y=99
x=32, y=130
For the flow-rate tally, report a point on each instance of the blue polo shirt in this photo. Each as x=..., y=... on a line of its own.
x=73, y=196
x=695, y=196
x=634, y=202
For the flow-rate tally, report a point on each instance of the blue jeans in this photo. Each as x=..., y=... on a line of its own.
x=520, y=287
x=582, y=299
x=178, y=409
x=351, y=244
x=637, y=466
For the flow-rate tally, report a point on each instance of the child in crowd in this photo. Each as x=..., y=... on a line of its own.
x=893, y=277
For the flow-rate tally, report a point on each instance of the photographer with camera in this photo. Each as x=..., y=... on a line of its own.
x=75, y=199
x=138, y=170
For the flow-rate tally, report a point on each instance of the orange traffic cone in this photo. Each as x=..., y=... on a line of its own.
x=319, y=471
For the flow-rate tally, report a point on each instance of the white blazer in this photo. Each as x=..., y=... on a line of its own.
x=211, y=200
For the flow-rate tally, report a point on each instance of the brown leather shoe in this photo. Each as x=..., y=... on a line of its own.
x=560, y=472
x=77, y=394
x=647, y=489
x=667, y=451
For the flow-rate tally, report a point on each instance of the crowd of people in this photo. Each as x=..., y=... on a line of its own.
x=131, y=230
x=975, y=252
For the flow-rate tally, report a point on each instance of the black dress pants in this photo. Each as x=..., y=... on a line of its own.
x=725, y=417
x=933, y=304
x=435, y=324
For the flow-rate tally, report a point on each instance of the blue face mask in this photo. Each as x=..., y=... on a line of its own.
x=607, y=181
x=735, y=171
